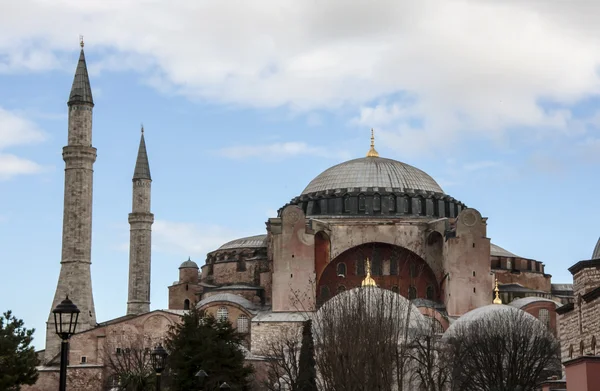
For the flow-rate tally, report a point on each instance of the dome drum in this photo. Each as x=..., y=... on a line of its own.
x=378, y=202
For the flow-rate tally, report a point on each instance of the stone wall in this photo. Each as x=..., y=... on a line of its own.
x=265, y=333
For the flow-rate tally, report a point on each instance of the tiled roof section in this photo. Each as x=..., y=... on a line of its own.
x=248, y=242
x=497, y=251
x=373, y=172
x=142, y=167
x=525, y=301
x=81, y=92
x=228, y=297
x=596, y=253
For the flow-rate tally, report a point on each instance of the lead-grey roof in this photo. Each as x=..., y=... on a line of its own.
x=228, y=297
x=524, y=301
x=142, y=167
x=596, y=253
x=81, y=92
x=189, y=264
x=373, y=172
x=247, y=242
x=497, y=251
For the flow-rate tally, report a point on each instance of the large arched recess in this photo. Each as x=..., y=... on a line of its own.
x=392, y=267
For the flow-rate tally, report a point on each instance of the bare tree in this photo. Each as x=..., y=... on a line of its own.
x=361, y=338
x=129, y=366
x=283, y=361
x=430, y=363
x=502, y=351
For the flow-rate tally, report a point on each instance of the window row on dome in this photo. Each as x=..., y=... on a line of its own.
x=382, y=204
x=242, y=323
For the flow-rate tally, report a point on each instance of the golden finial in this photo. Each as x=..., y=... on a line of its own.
x=497, y=300
x=81, y=41
x=142, y=128
x=372, y=152
x=368, y=281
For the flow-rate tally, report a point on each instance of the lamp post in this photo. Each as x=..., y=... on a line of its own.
x=159, y=357
x=66, y=315
x=224, y=386
x=201, y=375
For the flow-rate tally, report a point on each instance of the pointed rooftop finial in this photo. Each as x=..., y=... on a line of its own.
x=497, y=300
x=368, y=281
x=81, y=91
x=81, y=41
x=372, y=152
x=142, y=167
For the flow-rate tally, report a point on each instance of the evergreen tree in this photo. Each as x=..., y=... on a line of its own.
x=17, y=358
x=202, y=342
x=307, y=374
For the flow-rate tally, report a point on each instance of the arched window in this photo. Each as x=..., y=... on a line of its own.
x=242, y=324
x=544, y=317
x=341, y=269
x=187, y=287
x=395, y=289
x=186, y=304
x=392, y=204
x=412, y=293
x=377, y=266
x=571, y=351
x=361, y=203
x=376, y=203
x=347, y=208
x=436, y=325
x=581, y=348
x=594, y=345
x=509, y=264
x=413, y=270
x=429, y=292
x=393, y=267
x=341, y=288
x=222, y=314
x=360, y=267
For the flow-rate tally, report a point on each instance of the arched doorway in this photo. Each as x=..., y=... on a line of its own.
x=392, y=267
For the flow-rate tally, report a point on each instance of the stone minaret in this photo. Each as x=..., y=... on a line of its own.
x=75, y=279
x=140, y=221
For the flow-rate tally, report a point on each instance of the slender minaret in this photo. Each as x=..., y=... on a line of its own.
x=140, y=222
x=75, y=279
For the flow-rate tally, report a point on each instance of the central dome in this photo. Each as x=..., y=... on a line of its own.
x=373, y=171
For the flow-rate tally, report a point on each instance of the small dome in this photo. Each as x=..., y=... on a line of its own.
x=482, y=313
x=247, y=242
x=189, y=264
x=596, y=253
x=370, y=297
x=373, y=172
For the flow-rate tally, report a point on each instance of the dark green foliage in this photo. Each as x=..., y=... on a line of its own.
x=17, y=358
x=307, y=373
x=202, y=342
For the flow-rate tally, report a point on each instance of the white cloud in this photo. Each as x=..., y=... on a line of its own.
x=188, y=239
x=470, y=68
x=17, y=130
x=276, y=151
x=11, y=166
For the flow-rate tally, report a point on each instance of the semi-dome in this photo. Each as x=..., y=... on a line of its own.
x=596, y=253
x=373, y=172
x=246, y=242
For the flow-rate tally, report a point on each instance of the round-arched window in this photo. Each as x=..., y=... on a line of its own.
x=243, y=324
x=341, y=269
x=222, y=314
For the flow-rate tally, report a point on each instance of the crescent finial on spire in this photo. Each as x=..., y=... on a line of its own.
x=497, y=299
x=81, y=41
x=372, y=152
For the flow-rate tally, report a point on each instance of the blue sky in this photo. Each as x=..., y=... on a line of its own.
x=243, y=104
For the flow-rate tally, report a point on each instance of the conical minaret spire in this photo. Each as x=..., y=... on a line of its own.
x=142, y=167
x=140, y=239
x=75, y=279
x=81, y=92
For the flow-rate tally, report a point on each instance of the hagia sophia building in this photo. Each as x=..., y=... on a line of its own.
x=421, y=243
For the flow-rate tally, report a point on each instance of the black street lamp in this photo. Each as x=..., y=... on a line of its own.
x=201, y=375
x=224, y=386
x=66, y=315
x=159, y=358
